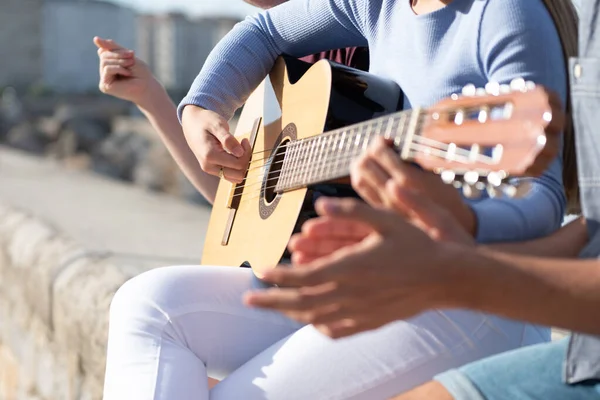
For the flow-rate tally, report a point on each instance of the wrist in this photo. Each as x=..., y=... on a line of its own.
x=154, y=99
x=461, y=275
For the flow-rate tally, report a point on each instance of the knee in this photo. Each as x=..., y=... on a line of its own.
x=143, y=301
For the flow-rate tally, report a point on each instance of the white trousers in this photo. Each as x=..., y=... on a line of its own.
x=171, y=328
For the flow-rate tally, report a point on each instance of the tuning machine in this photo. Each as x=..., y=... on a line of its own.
x=471, y=90
x=516, y=189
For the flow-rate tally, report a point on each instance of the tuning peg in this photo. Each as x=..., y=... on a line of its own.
x=493, y=88
x=518, y=85
x=522, y=188
x=469, y=90
x=480, y=92
x=493, y=191
x=448, y=176
x=504, y=89
x=495, y=179
x=471, y=177
x=473, y=191
x=529, y=85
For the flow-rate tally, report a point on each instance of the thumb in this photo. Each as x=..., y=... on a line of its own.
x=106, y=44
x=379, y=219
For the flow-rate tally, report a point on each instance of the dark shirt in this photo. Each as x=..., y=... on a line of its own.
x=583, y=356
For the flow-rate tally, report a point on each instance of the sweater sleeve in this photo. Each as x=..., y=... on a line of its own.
x=244, y=57
x=518, y=39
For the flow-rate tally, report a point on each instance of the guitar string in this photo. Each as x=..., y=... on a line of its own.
x=258, y=193
x=322, y=162
x=313, y=139
x=415, y=146
x=340, y=158
x=397, y=116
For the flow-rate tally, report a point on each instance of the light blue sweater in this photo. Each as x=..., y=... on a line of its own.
x=430, y=56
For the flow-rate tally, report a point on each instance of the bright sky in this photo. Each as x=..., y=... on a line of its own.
x=192, y=7
x=200, y=7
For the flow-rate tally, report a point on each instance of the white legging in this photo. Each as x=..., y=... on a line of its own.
x=171, y=328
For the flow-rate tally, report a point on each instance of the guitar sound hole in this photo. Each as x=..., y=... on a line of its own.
x=274, y=172
x=269, y=197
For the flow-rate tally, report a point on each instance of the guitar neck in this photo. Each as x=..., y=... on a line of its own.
x=329, y=156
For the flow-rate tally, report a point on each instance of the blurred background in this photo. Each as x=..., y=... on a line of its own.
x=89, y=197
x=50, y=104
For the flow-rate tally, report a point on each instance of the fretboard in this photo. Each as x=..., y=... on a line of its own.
x=329, y=156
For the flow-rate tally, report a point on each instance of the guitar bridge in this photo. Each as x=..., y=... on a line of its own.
x=236, y=191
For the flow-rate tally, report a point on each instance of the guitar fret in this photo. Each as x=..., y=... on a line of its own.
x=403, y=128
x=282, y=180
x=411, y=129
x=315, y=150
x=330, y=154
x=291, y=166
x=389, y=124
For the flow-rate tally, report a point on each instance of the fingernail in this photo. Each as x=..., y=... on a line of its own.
x=329, y=205
x=238, y=151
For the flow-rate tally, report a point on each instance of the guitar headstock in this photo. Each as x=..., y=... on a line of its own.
x=481, y=138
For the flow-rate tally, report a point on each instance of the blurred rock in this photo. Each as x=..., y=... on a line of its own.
x=155, y=170
x=118, y=155
x=25, y=136
x=79, y=135
x=188, y=192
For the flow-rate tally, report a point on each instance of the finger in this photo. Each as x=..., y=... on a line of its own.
x=331, y=227
x=365, y=181
x=421, y=207
x=231, y=175
x=353, y=209
x=116, y=55
x=345, y=328
x=216, y=157
x=220, y=130
x=301, y=259
x=286, y=300
x=331, y=268
x=107, y=44
x=318, y=247
x=353, y=307
x=110, y=72
x=119, y=62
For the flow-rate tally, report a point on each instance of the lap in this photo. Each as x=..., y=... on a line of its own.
x=200, y=308
x=372, y=365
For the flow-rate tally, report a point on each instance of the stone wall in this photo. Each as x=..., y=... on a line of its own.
x=54, y=301
x=68, y=240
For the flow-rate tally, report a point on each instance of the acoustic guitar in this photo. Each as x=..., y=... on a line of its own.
x=475, y=141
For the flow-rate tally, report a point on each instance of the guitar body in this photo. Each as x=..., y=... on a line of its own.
x=250, y=223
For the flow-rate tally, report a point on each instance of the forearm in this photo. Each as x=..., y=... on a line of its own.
x=567, y=242
x=564, y=293
x=162, y=114
x=536, y=215
x=244, y=57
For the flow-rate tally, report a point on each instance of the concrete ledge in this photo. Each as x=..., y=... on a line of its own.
x=68, y=241
x=54, y=301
